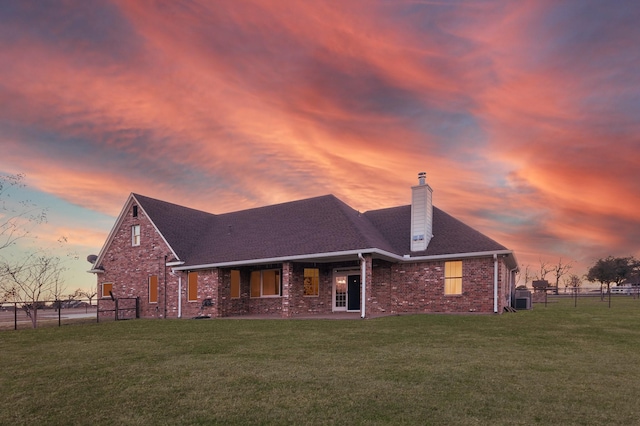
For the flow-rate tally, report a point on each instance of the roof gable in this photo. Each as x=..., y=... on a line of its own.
x=180, y=226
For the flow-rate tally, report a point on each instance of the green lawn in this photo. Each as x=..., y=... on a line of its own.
x=557, y=365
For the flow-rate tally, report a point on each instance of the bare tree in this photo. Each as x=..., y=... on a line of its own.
x=561, y=269
x=89, y=294
x=33, y=276
x=544, y=270
x=33, y=279
x=573, y=281
x=17, y=216
x=528, y=275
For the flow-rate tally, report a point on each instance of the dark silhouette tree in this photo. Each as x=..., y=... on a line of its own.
x=611, y=270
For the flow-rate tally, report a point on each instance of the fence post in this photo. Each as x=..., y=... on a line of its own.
x=138, y=307
x=15, y=315
x=59, y=305
x=116, y=314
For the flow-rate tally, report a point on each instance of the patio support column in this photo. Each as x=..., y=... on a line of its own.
x=221, y=292
x=369, y=284
x=213, y=284
x=287, y=290
x=495, y=283
x=365, y=281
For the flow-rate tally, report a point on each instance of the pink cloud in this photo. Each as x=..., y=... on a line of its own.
x=235, y=105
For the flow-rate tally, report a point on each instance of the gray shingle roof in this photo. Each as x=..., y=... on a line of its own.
x=450, y=235
x=315, y=225
x=179, y=225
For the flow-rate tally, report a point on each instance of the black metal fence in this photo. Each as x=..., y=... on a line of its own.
x=22, y=315
x=604, y=297
x=118, y=308
x=47, y=313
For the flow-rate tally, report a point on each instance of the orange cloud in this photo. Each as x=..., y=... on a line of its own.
x=510, y=108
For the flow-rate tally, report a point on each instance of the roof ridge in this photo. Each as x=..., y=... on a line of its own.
x=276, y=205
x=145, y=198
x=366, y=236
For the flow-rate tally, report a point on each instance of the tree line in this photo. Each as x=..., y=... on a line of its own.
x=615, y=270
x=606, y=271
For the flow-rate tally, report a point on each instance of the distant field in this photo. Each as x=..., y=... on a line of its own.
x=554, y=365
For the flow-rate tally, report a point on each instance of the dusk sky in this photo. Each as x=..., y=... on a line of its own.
x=524, y=114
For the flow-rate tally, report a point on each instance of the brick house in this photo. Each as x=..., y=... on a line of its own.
x=312, y=256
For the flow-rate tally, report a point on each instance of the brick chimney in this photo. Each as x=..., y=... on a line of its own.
x=421, y=214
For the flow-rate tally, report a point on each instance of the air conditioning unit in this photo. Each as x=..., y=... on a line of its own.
x=523, y=302
x=523, y=299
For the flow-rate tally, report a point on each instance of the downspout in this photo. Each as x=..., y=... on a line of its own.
x=165, y=286
x=512, y=289
x=363, y=282
x=495, y=283
x=179, y=296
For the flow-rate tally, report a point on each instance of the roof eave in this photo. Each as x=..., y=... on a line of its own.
x=510, y=258
x=293, y=258
x=512, y=263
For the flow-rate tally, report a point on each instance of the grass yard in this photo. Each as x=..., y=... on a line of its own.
x=557, y=365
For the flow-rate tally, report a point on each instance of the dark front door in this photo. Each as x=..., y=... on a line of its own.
x=353, y=292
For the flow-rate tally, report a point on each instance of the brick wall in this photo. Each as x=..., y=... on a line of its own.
x=208, y=289
x=305, y=305
x=293, y=301
x=419, y=287
x=128, y=268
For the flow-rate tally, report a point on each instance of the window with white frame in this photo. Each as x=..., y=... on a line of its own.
x=135, y=235
x=453, y=277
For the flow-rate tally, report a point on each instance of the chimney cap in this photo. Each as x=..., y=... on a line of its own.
x=422, y=177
